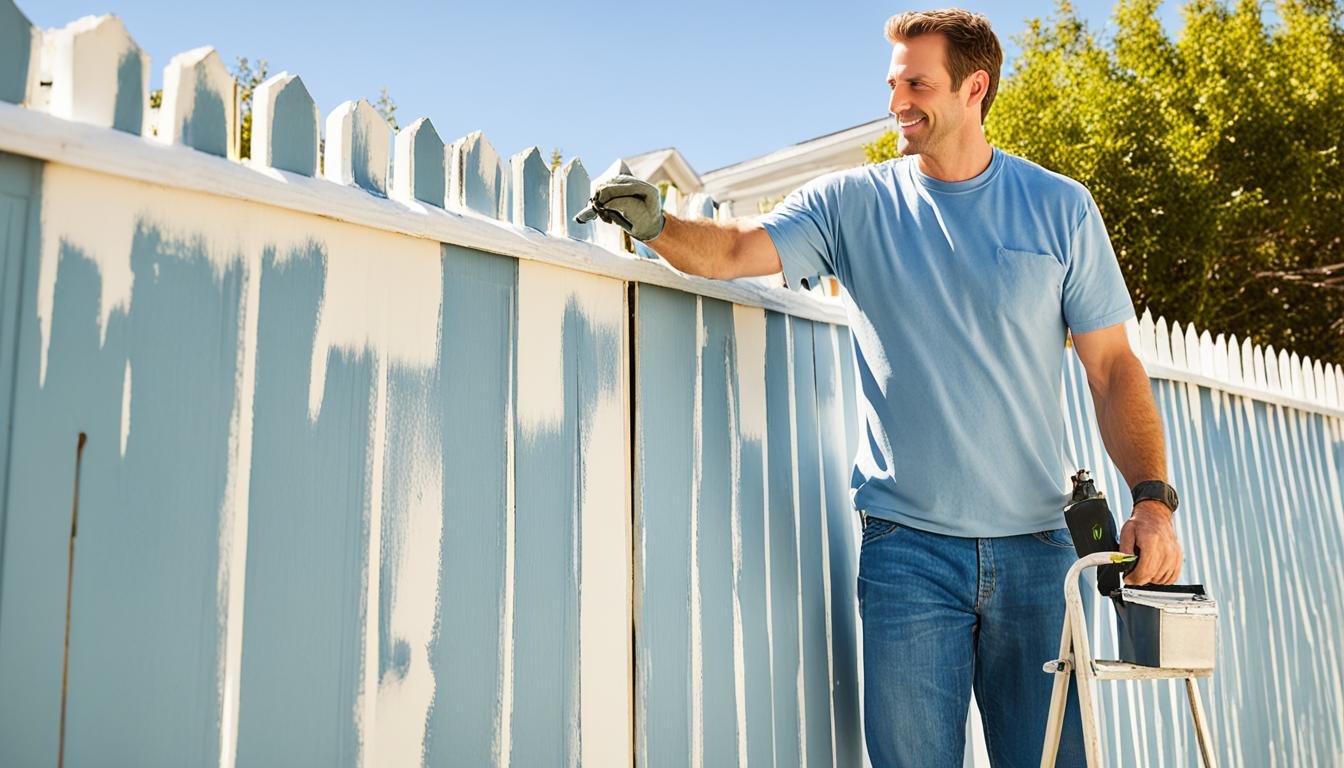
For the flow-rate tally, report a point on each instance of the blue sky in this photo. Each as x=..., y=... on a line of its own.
x=723, y=82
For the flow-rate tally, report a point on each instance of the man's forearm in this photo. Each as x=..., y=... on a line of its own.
x=1130, y=427
x=697, y=246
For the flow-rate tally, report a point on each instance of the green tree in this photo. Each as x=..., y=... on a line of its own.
x=248, y=78
x=1214, y=157
x=387, y=108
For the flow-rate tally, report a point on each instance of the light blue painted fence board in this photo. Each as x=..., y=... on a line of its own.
x=752, y=585
x=783, y=546
x=715, y=536
x=811, y=539
x=34, y=544
x=16, y=46
x=664, y=469
x=199, y=108
x=530, y=190
x=569, y=195
x=842, y=539
x=482, y=176
x=145, y=628
x=420, y=160
x=475, y=367
x=293, y=129
x=307, y=533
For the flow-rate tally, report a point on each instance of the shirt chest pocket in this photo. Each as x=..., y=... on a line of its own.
x=1027, y=276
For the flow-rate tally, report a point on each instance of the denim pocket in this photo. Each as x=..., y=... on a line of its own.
x=1058, y=537
x=875, y=528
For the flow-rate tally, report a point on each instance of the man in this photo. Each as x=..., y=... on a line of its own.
x=964, y=267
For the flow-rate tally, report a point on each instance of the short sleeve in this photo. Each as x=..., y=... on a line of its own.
x=1095, y=295
x=803, y=229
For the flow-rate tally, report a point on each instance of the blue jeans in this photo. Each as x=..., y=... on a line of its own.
x=943, y=615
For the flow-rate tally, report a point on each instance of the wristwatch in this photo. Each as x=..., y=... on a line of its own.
x=1158, y=491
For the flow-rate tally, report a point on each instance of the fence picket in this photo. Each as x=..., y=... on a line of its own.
x=1219, y=368
x=285, y=124
x=531, y=189
x=1194, y=357
x=1162, y=339
x=611, y=236
x=358, y=144
x=1179, y=357
x=1248, y=363
x=700, y=206
x=200, y=103
x=20, y=48
x=672, y=200
x=1234, y=366
x=1146, y=347
x=1272, y=373
x=480, y=176
x=570, y=190
x=418, y=161
x=98, y=74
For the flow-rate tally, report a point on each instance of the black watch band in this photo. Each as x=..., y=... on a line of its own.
x=1158, y=491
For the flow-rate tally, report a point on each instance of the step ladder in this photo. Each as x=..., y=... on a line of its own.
x=1075, y=656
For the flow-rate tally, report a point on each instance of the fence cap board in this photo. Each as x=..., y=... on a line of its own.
x=418, y=162
x=200, y=103
x=359, y=142
x=99, y=75
x=285, y=120
x=20, y=49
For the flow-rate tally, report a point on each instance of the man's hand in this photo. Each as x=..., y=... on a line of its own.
x=1149, y=530
x=631, y=204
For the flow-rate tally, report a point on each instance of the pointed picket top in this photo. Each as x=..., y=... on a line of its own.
x=1318, y=381
x=1206, y=351
x=1309, y=388
x=673, y=200
x=1260, y=371
x=418, y=162
x=200, y=103
x=1132, y=336
x=1272, y=381
x=285, y=125
x=1339, y=385
x=452, y=154
x=1248, y=362
x=98, y=74
x=530, y=187
x=570, y=190
x=1287, y=373
x=1332, y=385
x=1147, y=344
x=699, y=206
x=725, y=211
x=478, y=173
x=1162, y=340
x=1295, y=385
x=1234, y=369
x=607, y=235
x=1219, y=366
x=1194, y=361
x=1178, y=350
x=20, y=49
x=358, y=143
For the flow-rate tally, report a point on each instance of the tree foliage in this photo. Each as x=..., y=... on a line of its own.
x=1214, y=156
x=248, y=78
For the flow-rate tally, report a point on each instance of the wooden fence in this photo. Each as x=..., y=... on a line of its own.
x=362, y=452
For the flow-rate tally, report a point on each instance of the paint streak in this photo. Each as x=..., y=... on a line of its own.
x=293, y=131
x=69, y=589
x=16, y=49
x=530, y=190
x=126, y=408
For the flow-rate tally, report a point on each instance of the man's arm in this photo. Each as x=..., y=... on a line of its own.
x=697, y=247
x=1132, y=433
x=721, y=250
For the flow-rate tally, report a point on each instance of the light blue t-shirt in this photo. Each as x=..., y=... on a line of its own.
x=959, y=297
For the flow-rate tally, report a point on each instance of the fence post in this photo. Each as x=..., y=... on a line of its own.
x=200, y=104
x=419, y=161
x=98, y=74
x=285, y=125
x=358, y=143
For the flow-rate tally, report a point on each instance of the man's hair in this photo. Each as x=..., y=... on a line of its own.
x=971, y=44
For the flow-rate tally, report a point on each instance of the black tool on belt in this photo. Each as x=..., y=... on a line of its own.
x=1093, y=529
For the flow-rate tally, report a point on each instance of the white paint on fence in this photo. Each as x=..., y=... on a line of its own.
x=372, y=303
x=358, y=146
x=125, y=408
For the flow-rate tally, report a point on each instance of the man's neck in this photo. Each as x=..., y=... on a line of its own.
x=965, y=160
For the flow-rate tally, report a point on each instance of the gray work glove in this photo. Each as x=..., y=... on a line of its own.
x=631, y=204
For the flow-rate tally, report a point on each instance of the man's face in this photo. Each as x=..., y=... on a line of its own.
x=930, y=114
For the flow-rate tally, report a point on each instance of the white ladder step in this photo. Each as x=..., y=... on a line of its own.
x=1106, y=669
